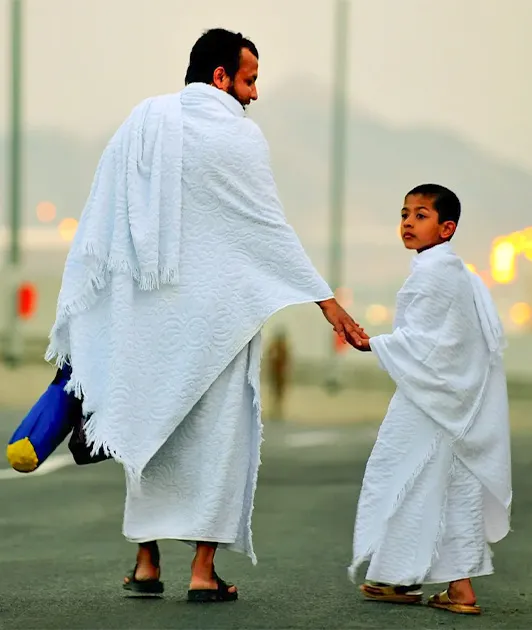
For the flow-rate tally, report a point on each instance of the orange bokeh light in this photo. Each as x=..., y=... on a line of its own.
x=67, y=229
x=46, y=211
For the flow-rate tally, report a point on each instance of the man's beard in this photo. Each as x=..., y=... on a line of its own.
x=233, y=93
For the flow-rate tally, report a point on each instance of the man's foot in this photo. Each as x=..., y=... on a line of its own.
x=223, y=592
x=205, y=584
x=145, y=577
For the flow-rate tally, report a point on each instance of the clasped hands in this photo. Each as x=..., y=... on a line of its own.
x=344, y=325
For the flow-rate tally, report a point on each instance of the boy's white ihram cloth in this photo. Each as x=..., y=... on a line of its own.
x=181, y=255
x=448, y=420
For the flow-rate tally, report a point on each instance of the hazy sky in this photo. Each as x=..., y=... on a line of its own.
x=459, y=64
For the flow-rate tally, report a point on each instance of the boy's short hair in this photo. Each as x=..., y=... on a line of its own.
x=446, y=203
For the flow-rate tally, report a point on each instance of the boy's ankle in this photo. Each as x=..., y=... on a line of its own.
x=461, y=592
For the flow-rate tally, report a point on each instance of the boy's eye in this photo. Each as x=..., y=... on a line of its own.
x=421, y=216
x=404, y=215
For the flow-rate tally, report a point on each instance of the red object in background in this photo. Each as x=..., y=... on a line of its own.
x=339, y=345
x=27, y=300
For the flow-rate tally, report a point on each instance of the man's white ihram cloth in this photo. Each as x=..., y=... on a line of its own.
x=181, y=256
x=437, y=486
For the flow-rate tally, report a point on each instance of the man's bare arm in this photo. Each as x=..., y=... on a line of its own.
x=343, y=324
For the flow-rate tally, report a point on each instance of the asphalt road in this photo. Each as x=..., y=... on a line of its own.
x=63, y=557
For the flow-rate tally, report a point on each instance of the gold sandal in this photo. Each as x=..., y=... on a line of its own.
x=444, y=602
x=392, y=594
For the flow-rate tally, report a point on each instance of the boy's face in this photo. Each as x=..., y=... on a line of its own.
x=420, y=229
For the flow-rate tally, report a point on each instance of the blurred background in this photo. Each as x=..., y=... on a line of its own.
x=360, y=102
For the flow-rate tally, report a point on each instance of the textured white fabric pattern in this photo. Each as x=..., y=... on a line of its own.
x=179, y=260
x=436, y=532
x=464, y=551
x=199, y=485
x=445, y=355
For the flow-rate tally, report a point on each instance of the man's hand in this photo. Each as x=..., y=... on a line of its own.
x=345, y=327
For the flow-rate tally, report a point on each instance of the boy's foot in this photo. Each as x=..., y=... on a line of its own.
x=391, y=593
x=461, y=592
x=444, y=602
x=458, y=598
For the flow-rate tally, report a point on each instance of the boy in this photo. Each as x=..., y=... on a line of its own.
x=437, y=486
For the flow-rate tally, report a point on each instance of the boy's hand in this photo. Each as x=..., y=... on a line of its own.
x=364, y=347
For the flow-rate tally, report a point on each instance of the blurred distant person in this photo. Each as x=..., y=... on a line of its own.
x=437, y=487
x=181, y=256
x=278, y=363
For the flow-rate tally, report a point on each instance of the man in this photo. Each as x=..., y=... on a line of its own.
x=181, y=256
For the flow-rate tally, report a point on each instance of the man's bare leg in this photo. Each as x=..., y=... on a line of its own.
x=147, y=562
x=203, y=568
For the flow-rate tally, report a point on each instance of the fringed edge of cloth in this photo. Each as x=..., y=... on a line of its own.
x=254, y=382
x=400, y=497
x=98, y=271
x=60, y=353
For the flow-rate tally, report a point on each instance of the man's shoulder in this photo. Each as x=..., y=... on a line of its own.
x=160, y=102
x=253, y=129
x=248, y=136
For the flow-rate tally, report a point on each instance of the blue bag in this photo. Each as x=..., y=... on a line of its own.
x=46, y=425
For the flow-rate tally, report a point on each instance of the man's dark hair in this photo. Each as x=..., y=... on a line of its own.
x=445, y=202
x=217, y=47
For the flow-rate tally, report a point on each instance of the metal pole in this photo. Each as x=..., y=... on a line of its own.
x=13, y=348
x=338, y=159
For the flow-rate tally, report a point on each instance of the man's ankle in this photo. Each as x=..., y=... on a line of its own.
x=148, y=553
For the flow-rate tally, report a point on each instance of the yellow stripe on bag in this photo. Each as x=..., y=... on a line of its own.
x=22, y=456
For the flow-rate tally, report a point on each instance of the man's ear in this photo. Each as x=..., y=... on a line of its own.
x=220, y=78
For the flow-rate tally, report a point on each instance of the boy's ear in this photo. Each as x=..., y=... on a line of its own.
x=447, y=230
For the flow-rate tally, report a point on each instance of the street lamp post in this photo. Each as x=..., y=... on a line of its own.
x=13, y=343
x=338, y=163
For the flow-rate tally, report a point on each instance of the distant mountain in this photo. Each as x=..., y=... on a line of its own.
x=383, y=163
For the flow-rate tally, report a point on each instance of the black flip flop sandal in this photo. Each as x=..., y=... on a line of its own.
x=152, y=587
x=220, y=594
